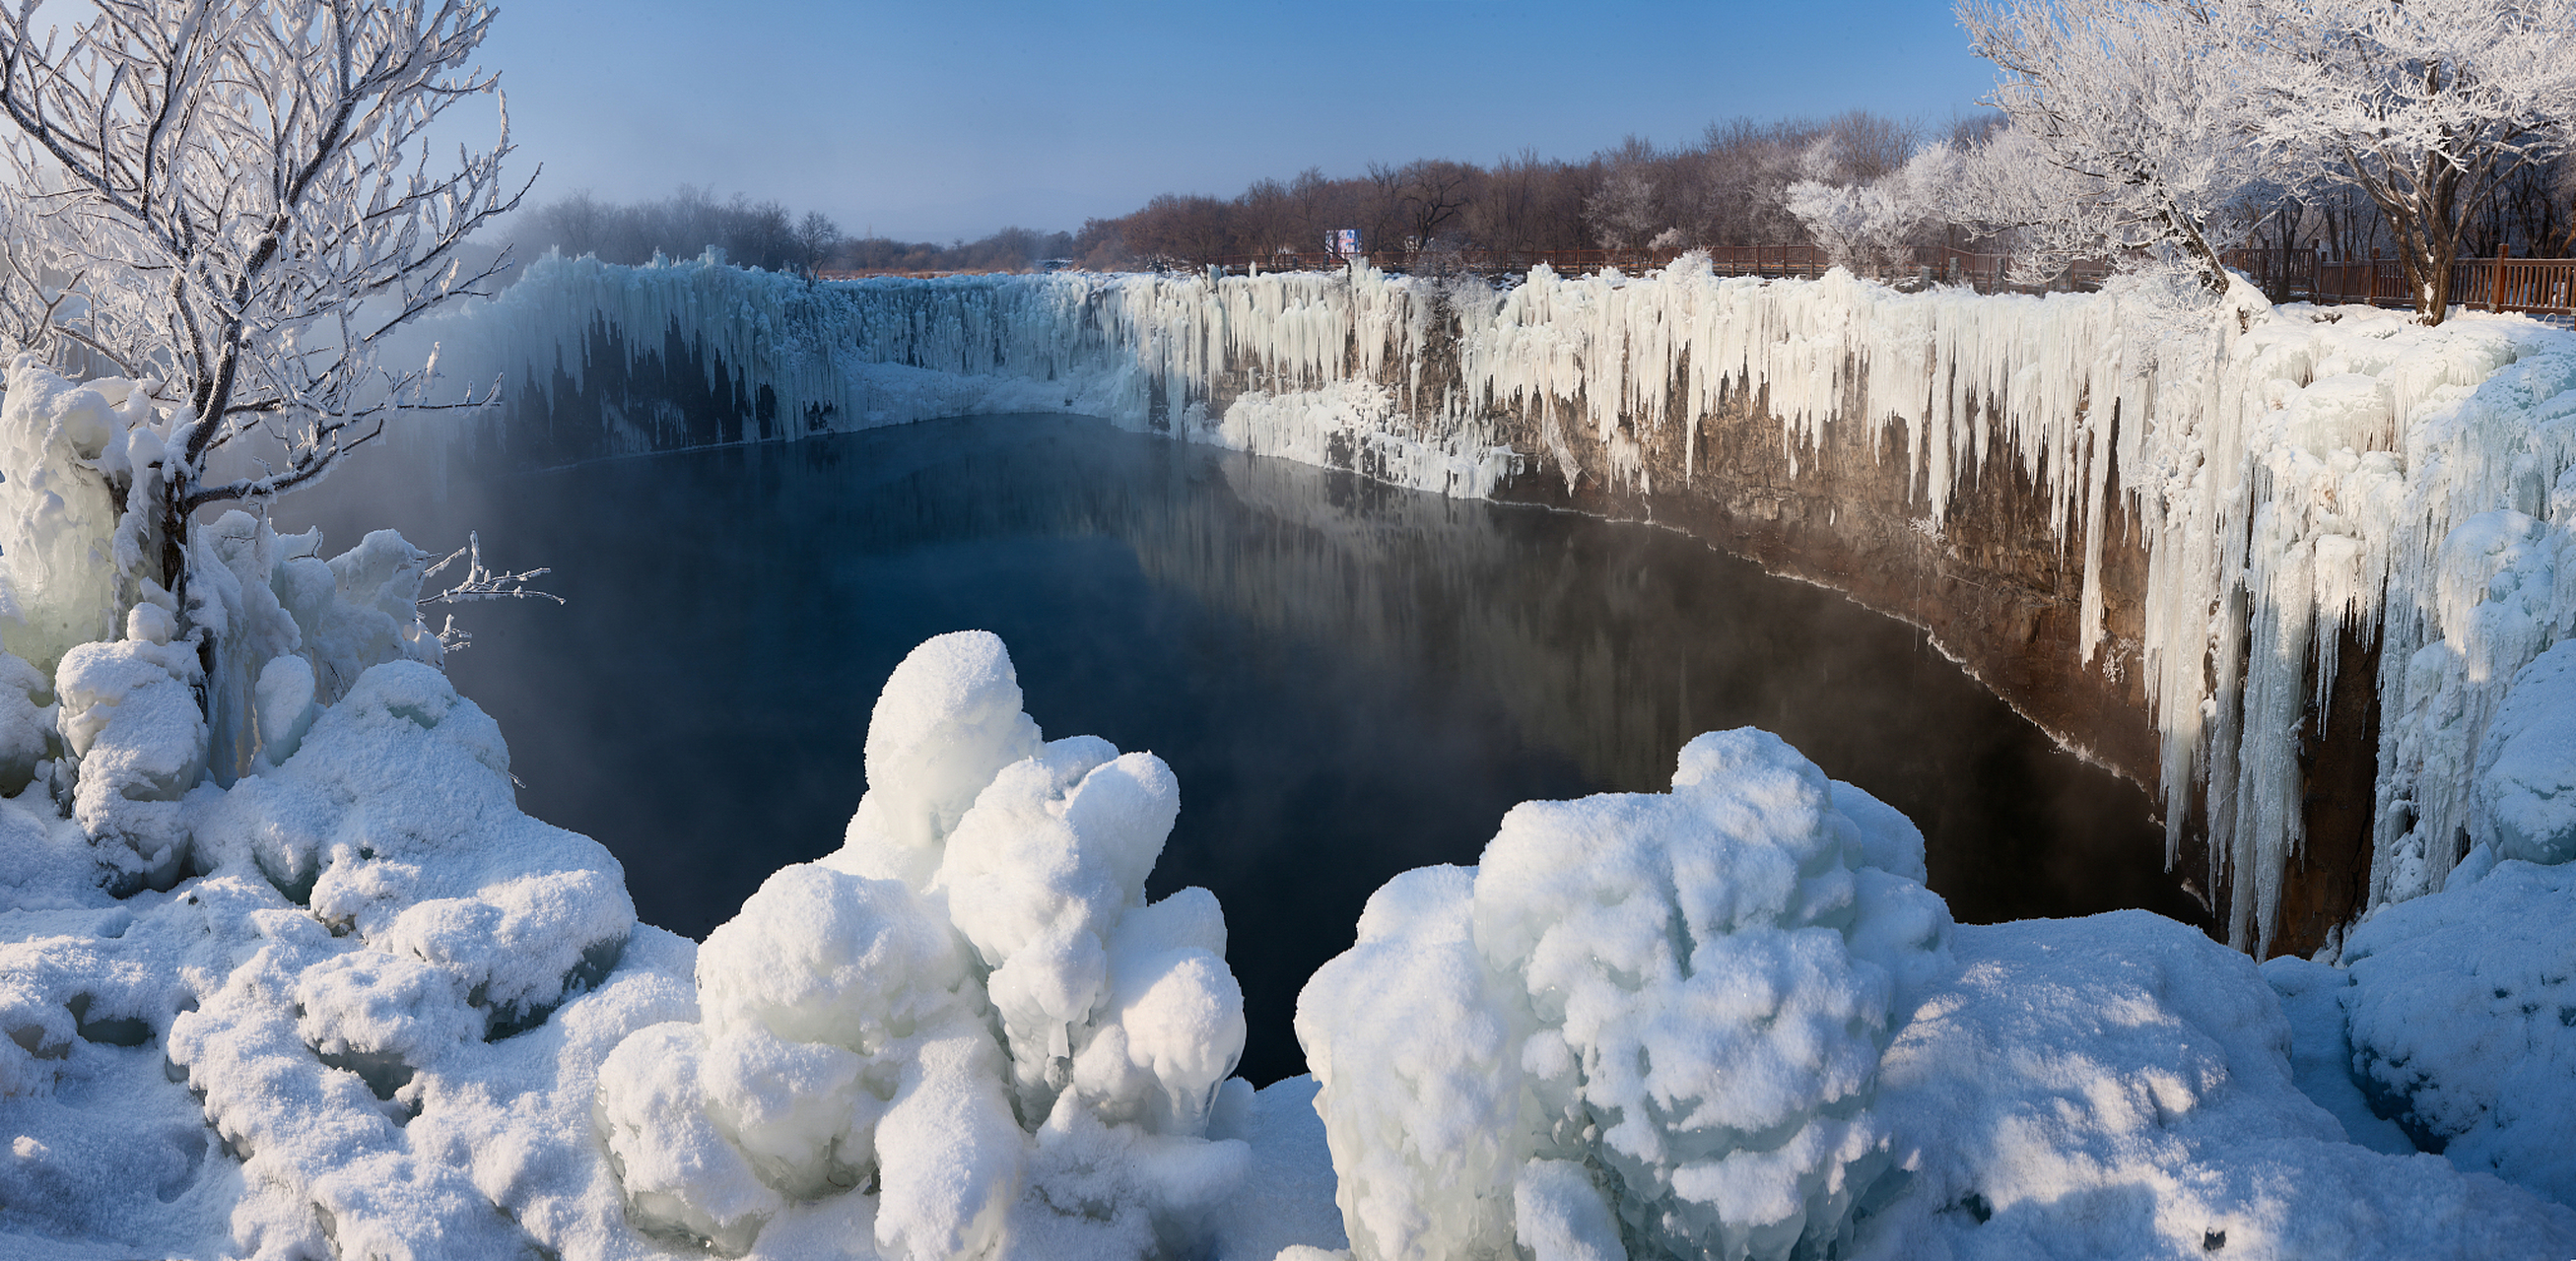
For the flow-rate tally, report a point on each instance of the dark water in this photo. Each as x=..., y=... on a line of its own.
x=1349, y=680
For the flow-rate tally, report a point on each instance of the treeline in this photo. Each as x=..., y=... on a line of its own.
x=1726, y=188
x=684, y=225
x=1742, y=182
x=761, y=234
x=1739, y=184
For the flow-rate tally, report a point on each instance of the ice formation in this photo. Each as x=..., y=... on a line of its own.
x=61, y=578
x=2290, y=472
x=968, y=1021
x=1647, y=1017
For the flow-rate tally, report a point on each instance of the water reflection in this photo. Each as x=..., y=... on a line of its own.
x=1349, y=680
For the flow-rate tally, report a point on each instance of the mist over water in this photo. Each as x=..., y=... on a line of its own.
x=1350, y=680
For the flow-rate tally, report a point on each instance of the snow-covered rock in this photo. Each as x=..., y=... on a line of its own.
x=968, y=1020
x=2462, y=1020
x=2120, y=1086
x=1663, y=1011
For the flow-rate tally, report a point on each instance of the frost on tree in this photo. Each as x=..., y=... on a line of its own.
x=2136, y=125
x=231, y=206
x=2123, y=135
x=2426, y=106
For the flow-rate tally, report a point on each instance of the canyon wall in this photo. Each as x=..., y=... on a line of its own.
x=2180, y=540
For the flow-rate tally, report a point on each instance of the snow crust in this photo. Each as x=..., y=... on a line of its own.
x=2289, y=473
x=2121, y=1086
x=2460, y=1012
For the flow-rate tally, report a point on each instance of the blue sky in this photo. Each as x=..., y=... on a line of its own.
x=934, y=121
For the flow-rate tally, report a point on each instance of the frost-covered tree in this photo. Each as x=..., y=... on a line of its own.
x=2165, y=112
x=1872, y=223
x=236, y=202
x=2131, y=130
x=2430, y=107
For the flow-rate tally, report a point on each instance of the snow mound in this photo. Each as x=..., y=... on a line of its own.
x=1652, y=1016
x=387, y=993
x=2525, y=795
x=2462, y=1011
x=968, y=1021
x=2120, y=1086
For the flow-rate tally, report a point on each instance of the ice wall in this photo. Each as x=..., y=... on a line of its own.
x=2288, y=472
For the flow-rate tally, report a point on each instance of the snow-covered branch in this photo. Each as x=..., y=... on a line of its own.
x=480, y=582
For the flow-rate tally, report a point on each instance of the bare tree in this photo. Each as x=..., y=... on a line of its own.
x=1432, y=194
x=235, y=201
x=816, y=237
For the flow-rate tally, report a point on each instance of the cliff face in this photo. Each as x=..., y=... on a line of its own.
x=2175, y=543
x=1995, y=584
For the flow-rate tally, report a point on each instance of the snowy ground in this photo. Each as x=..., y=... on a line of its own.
x=294, y=977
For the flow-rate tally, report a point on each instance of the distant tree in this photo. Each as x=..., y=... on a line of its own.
x=1621, y=213
x=1869, y=224
x=236, y=202
x=1431, y=194
x=816, y=237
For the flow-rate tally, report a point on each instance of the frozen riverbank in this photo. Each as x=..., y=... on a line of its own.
x=304, y=981
x=2184, y=521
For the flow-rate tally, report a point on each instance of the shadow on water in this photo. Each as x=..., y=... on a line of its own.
x=1350, y=680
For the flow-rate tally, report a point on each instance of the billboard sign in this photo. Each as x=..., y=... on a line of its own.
x=1343, y=242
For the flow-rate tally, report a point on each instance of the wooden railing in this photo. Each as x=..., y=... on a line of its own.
x=2533, y=286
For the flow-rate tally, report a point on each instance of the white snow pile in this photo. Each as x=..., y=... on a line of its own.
x=2525, y=787
x=967, y=1029
x=2121, y=1086
x=1729, y=1022
x=1649, y=1017
x=346, y=991
x=2454, y=1016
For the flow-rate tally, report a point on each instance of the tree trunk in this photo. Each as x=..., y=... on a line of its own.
x=2427, y=230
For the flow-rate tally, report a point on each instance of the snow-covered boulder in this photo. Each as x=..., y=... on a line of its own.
x=383, y=1006
x=969, y=1019
x=1644, y=1022
x=128, y=712
x=2120, y=1086
x=2462, y=1020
